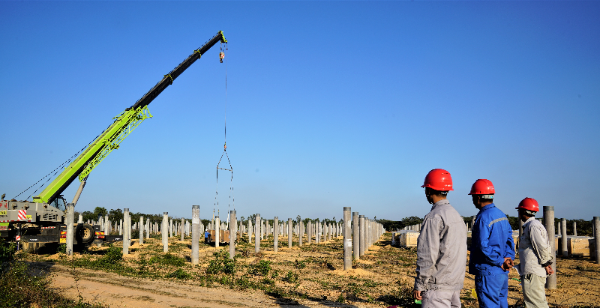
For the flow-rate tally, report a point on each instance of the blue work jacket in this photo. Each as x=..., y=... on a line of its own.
x=491, y=242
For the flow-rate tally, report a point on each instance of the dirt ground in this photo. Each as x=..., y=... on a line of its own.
x=307, y=276
x=119, y=291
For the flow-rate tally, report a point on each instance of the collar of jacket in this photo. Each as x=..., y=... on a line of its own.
x=487, y=207
x=528, y=220
x=440, y=203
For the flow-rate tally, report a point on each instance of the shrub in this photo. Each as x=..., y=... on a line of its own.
x=113, y=254
x=7, y=252
x=261, y=268
x=221, y=263
x=268, y=281
x=300, y=264
x=291, y=277
x=179, y=274
x=19, y=288
x=244, y=283
x=167, y=259
x=275, y=274
x=61, y=248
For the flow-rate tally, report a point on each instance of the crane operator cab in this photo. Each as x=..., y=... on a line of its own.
x=59, y=203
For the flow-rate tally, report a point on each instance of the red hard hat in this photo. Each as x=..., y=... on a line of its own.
x=482, y=187
x=438, y=179
x=529, y=204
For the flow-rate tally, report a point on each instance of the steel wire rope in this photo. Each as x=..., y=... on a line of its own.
x=55, y=171
x=231, y=198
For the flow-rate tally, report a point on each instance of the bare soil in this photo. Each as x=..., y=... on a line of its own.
x=118, y=291
x=309, y=276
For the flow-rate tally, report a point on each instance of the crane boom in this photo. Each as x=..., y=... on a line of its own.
x=122, y=126
x=168, y=79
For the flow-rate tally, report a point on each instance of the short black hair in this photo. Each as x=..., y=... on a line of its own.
x=528, y=212
x=437, y=192
x=486, y=197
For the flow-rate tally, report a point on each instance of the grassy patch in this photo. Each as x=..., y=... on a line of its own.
x=179, y=274
x=167, y=259
x=261, y=268
x=221, y=264
x=20, y=288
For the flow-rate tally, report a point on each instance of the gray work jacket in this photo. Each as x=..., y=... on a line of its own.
x=441, y=249
x=534, y=248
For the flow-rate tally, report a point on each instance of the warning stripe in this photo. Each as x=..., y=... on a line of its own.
x=22, y=215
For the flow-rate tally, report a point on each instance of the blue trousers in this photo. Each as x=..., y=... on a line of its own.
x=492, y=290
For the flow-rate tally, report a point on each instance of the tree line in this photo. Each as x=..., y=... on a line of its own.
x=584, y=227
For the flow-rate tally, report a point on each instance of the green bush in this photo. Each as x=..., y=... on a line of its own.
x=245, y=283
x=61, y=248
x=167, y=259
x=301, y=264
x=19, y=288
x=268, y=281
x=111, y=261
x=7, y=252
x=291, y=277
x=221, y=264
x=179, y=274
x=224, y=280
x=275, y=274
x=113, y=254
x=261, y=268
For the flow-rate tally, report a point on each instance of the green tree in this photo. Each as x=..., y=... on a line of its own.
x=99, y=211
x=87, y=215
x=115, y=215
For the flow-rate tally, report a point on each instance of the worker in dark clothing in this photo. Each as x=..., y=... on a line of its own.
x=441, y=247
x=492, y=248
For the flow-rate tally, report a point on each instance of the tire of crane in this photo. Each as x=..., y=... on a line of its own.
x=84, y=234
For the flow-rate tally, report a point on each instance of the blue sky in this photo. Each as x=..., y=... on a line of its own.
x=329, y=104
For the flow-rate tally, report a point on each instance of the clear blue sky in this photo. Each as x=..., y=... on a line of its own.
x=329, y=104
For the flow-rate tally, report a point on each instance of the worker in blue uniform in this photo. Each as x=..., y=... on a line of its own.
x=492, y=248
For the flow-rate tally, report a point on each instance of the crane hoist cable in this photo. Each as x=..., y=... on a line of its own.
x=53, y=173
x=231, y=202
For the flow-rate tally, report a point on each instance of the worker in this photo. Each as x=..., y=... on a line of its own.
x=535, y=255
x=492, y=248
x=441, y=247
x=207, y=237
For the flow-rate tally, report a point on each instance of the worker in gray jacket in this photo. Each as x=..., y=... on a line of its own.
x=441, y=247
x=535, y=255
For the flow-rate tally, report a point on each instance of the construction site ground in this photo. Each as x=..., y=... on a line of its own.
x=307, y=276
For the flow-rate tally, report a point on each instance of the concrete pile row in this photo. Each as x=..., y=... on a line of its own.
x=359, y=232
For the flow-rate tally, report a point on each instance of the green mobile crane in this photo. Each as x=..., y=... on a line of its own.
x=43, y=219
